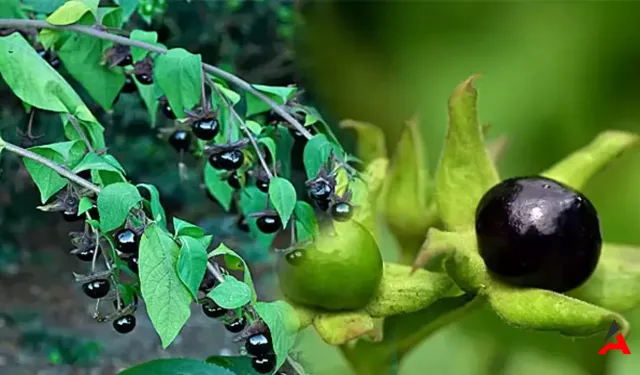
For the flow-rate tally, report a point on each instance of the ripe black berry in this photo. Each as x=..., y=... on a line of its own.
x=205, y=129
x=341, y=211
x=96, y=289
x=536, y=232
x=236, y=325
x=127, y=241
x=228, y=160
x=262, y=185
x=269, y=223
x=264, y=364
x=295, y=257
x=234, y=180
x=129, y=85
x=180, y=140
x=128, y=60
x=70, y=216
x=320, y=190
x=212, y=310
x=259, y=344
x=125, y=324
x=144, y=78
x=87, y=255
x=168, y=111
x=132, y=263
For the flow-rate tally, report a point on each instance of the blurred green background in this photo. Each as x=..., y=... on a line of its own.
x=555, y=74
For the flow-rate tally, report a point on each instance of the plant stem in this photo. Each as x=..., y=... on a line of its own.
x=92, y=31
x=76, y=126
x=62, y=171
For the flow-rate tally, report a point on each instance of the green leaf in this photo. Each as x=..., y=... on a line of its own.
x=239, y=364
x=114, y=203
x=150, y=99
x=69, y=13
x=178, y=74
x=231, y=95
x=192, y=263
x=278, y=94
x=544, y=310
x=176, y=366
x=128, y=7
x=166, y=298
x=613, y=285
x=465, y=170
x=219, y=188
x=93, y=161
x=306, y=222
x=271, y=146
x=82, y=56
x=156, y=207
x=254, y=127
x=222, y=249
x=151, y=37
x=11, y=9
x=43, y=6
x=284, y=146
x=89, y=126
x=231, y=294
x=184, y=228
x=370, y=140
x=282, y=195
x=33, y=80
x=110, y=17
x=47, y=180
x=316, y=154
x=283, y=324
x=48, y=37
x=578, y=168
x=84, y=205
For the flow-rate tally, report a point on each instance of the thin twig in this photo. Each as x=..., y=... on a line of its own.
x=76, y=126
x=62, y=171
x=215, y=272
x=244, y=128
x=203, y=94
x=233, y=79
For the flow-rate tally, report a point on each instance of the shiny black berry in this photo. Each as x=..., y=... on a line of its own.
x=342, y=211
x=229, y=160
x=71, y=216
x=128, y=60
x=168, y=111
x=129, y=85
x=87, y=255
x=127, y=241
x=212, y=310
x=205, y=129
x=144, y=78
x=264, y=364
x=269, y=223
x=259, y=344
x=237, y=325
x=262, y=185
x=180, y=140
x=96, y=289
x=536, y=232
x=295, y=257
x=320, y=190
x=132, y=263
x=125, y=324
x=234, y=180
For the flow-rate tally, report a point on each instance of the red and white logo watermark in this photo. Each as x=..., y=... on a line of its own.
x=619, y=344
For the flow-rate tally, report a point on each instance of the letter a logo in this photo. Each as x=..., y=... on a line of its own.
x=620, y=343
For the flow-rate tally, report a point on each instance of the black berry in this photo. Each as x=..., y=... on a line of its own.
x=167, y=110
x=234, y=180
x=132, y=263
x=269, y=223
x=207, y=283
x=87, y=255
x=323, y=204
x=263, y=185
x=129, y=85
x=341, y=211
x=127, y=60
x=205, y=129
x=228, y=160
x=127, y=241
x=96, y=289
x=237, y=325
x=538, y=233
x=320, y=190
x=259, y=344
x=144, y=78
x=295, y=257
x=212, y=310
x=264, y=364
x=125, y=324
x=70, y=216
x=180, y=140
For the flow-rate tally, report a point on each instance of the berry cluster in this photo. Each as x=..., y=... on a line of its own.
x=260, y=347
x=236, y=325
